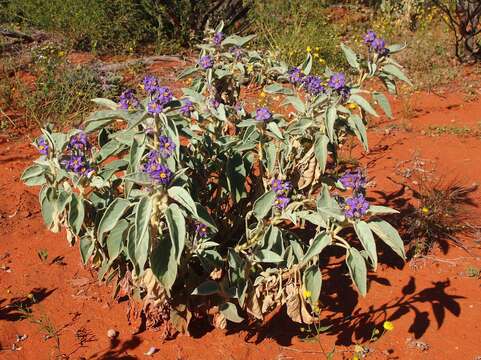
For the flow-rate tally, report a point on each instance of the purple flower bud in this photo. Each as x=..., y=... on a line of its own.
x=42, y=146
x=128, y=100
x=218, y=37
x=214, y=103
x=263, y=114
x=281, y=187
x=155, y=107
x=356, y=206
x=157, y=171
x=79, y=142
x=206, y=62
x=337, y=81
x=312, y=84
x=369, y=37
x=150, y=84
x=379, y=46
x=166, y=146
x=164, y=94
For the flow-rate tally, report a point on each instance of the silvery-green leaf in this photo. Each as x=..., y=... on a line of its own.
x=306, y=66
x=237, y=40
x=177, y=230
x=312, y=281
x=389, y=235
x=264, y=204
x=277, y=89
x=321, y=240
x=186, y=72
x=350, y=56
x=381, y=210
x=366, y=237
x=76, y=213
x=143, y=211
x=397, y=72
x=111, y=216
x=395, y=48
x=274, y=128
x=34, y=175
x=109, y=104
x=204, y=217
x=270, y=156
x=296, y=102
x=116, y=238
x=320, y=151
x=331, y=116
x=229, y=310
x=357, y=269
x=164, y=263
x=383, y=102
x=357, y=125
x=183, y=197
x=267, y=256
x=86, y=248
x=359, y=100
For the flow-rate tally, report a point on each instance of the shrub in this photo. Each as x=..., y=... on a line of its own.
x=197, y=205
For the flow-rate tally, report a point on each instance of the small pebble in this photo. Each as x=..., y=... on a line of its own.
x=151, y=351
x=111, y=333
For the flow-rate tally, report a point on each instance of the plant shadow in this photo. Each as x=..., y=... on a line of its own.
x=118, y=349
x=20, y=307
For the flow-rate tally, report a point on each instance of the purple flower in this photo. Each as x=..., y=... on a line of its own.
x=312, y=84
x=281, y=187
x=236, y=51
x=356, y=206
x=155, y=107
x=206, y=62
x=128, y=100
x=42, y=146
x=295, y=75
x=218, y=37
x=369, y=37
x=263, y=114
x=187, y=108
x=353, y=179
x=164, y=95
x=379, y=46
x=201, y=230
x=150, y=84
x=77, y=164
x=337, y=81
x=214, y=103
x=166, y=146
x=157, y=171
x=79, y=142
x=281, y=202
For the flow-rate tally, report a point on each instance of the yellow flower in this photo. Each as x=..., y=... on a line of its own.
x=306, y=294
x=250, y=68
x=389, y=326
x=291, y=53
x=351, y=106
x=322, y=61
x=355, y=357
x=425, y=210
x=61, y=53
x=308, y=49
x=263, y=94
x=316, y=55
x=318, y=48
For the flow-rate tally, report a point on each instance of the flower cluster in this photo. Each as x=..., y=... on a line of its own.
x=295, y=75
x=42, y=146
x=337, y=82
x=77, y=160
x=313, y=85
x=160, y=95
x=263, y=114
x=128, y=100
x=155, y=169
x=375, y=43
x=206, y=62
x=282, y=189
x=355, y=206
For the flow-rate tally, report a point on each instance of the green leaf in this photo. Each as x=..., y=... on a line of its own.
x=383, y=102
x=101, y=119
x=268, y=256
x=321, y=241
x=117, y=237
x=381, y=210
x=312, y=280
x=358, y=99
x=163, y=262
x=397, y=72
x=389, y=235
x=264, y=204
x=109, y=104
x=186, y=72
x=34, y=175
x=351, y=56
x=296, y=102
x=76, y=213
x=208, y=287
x=357, y=269
x=357, y=125
x=86, y=248
x=229, y=310
x=277, y=89
x=204, y=217
x=395, y=48
x=111, y=216
x=176, y=225
x=143, y=211
x=366, y=237
x=331, y=116
x=183, y=197
x=320, y=150
x=274, y=128
x=306, y=66
x=237, y=40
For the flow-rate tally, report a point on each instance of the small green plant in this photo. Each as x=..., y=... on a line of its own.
x=473, y=272
x=43, y=255
x=195, y=204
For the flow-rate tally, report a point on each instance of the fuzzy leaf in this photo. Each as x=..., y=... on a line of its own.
x=318, y=244
x=111, y=216
x=183, y=197
x=366, y=237
x=230, y=312
x=358, y=99
x=208, y=287
x=312, y=280
x=357, y=269
x=176, y=224
x=389, y=235
x=350, y=56
x=264, y=204
x=383, y=102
